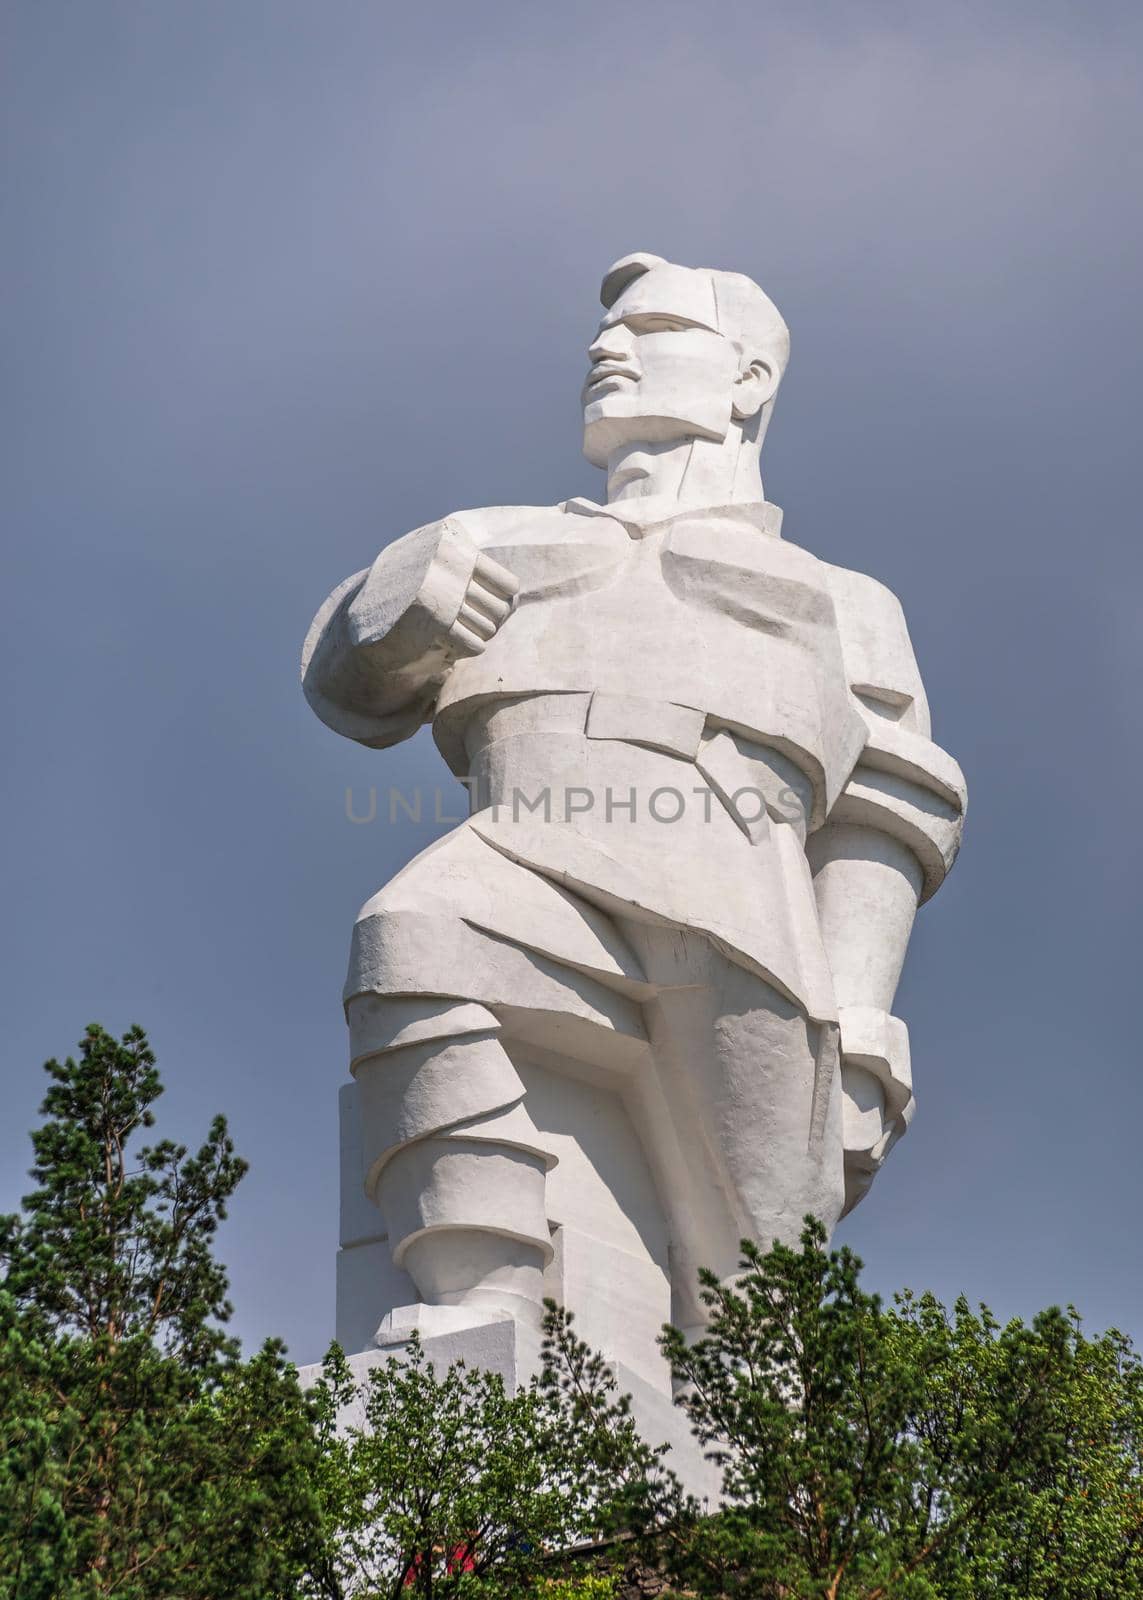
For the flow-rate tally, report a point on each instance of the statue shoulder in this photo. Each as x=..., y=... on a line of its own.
x=504, y=526
x=857, y=595
x=879, y=658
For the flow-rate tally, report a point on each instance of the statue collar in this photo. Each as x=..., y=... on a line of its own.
x=641, y=517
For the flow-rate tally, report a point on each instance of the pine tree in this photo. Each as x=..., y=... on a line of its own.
x=867, y=1454
x=142, y=1456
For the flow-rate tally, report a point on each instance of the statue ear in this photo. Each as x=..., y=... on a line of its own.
x=753, y=386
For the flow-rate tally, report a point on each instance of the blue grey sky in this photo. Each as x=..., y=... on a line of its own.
x=283, y=280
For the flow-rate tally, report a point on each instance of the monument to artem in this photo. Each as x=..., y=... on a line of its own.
x=639, y=1005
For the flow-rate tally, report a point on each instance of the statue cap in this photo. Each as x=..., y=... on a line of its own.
x=625, y=271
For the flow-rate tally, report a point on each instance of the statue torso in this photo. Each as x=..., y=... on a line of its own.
x=709, y=611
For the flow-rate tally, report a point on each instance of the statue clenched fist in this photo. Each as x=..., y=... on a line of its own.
x=428, y=600
x=436, y=590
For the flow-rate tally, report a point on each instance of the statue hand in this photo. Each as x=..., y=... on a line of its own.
x=487, y=602
x=431, y=597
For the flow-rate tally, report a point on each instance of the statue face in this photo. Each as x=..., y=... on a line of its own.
x=660, y=370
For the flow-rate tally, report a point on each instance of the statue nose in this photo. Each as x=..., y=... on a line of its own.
x=612, y=343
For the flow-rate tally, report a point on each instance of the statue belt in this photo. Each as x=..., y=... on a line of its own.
x=728, y=761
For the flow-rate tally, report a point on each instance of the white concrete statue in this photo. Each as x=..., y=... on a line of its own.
x=639, y=1005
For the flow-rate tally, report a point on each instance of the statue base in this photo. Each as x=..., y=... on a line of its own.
x=449, y=1334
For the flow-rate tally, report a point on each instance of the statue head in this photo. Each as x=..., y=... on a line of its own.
x=682, y=353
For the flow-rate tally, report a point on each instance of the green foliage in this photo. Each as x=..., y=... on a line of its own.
x=592, y=1586
x=868, y=1453
x=441, y=1485
x=116, y=1240
x=865, y=1453
x=141, y=1457
x=1069, y=1526
x=626, y=1482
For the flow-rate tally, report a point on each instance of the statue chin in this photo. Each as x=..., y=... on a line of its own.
x=619, y=422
